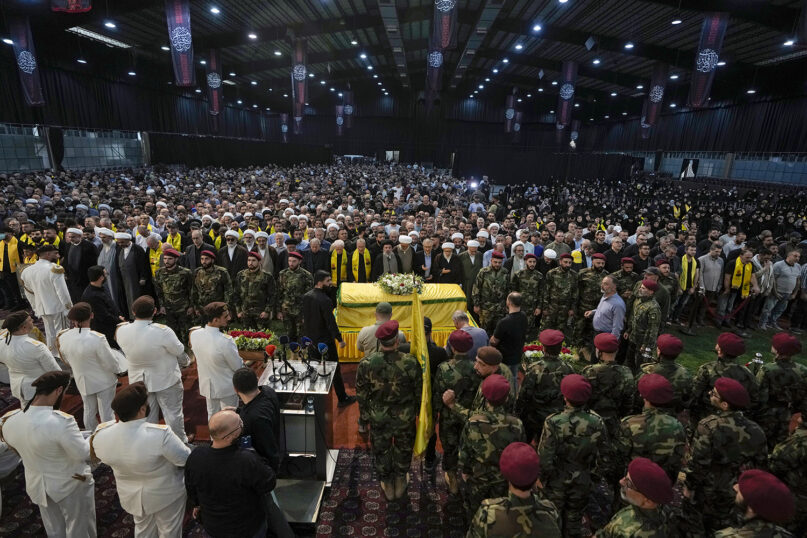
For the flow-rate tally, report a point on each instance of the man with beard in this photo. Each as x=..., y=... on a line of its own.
x=211, y=283
x=174, y=285
x=386, y=262
x=268, y=255
x=255, y=293
x=560, y=295
x=361, y=265
x=105, y=312
x=426, y=262
x=449, y=269
x=489, y=292
x=765, y=503
x=643, y=325
x=192, y=259
x=471, y=262
x=47, y=292
x=106, y=259
x=405, y=254
x=589, y=282
x=529, y=283
x=132, y=272
x=233, y=257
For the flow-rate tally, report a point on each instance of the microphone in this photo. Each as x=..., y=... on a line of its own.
x=323, y=353
x=322, y=348
x=305, y=341
x=287, y=368
x=284, y=340
x=270, y=350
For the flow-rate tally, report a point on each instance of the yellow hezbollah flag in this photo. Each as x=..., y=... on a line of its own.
x=420, y=351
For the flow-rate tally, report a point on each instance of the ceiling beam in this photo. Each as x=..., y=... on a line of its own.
x=487, y=17
x=762, y=12
x=389, y=16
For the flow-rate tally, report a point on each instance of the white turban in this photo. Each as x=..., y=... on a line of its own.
x=448, y=246
x=514, y=245
x=123, y=235
x=404, y=239
x=482, y=233
x=456, y=236
x=231, y=233
x=249, y=232
x=261, y=234
x=413, y=234
x=473, y=243
x=105, y=231
x=333, y=226
x=161, y=204
x=550, y=254
x=228, y=214
x=74, y=231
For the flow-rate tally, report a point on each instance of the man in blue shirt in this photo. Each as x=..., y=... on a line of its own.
x=609, y=317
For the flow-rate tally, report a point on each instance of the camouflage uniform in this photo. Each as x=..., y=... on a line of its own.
x=560, y=296
x=515, y=517
x=590, y=293
x=754, y=528
x=489, y=294
x=573, y=442
x=292, y=285
x=625, y=283
x=679, y=377
x=478, y=403
x=725, y=443
x=458, y=375
x=635, y=522
x=388, y=387
x=211, y=285
x=643, y=325
x=654, y=435
x=530, y=283
x=705, y=379
x=788, y=461
x=611, y=393
x=255, y=292
x=661, y=296
x=671, y=286
x=782, y=391
x=540, y=395
x=174, y=289
x=484, y=437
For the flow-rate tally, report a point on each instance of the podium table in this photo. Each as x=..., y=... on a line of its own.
x=303, y=435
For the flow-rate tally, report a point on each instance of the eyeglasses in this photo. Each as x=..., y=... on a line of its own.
x=629, y=483
x=231, y=239
x=240, y=427
x=714, y=393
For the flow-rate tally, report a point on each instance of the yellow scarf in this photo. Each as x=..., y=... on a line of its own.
x=154, y=258
x=354, y=264
x=601, y=227
x=688, y=268
x=175, y=241
x=342, y=269
x=741, y=280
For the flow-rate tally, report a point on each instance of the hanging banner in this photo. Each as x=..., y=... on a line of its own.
x=299, y=83
x=299, y=109
x=559, y=132
x=801, y=31
x=568, y=80
x=519, y=117
x=284, y=128
x=340, y=119
x=712, y=33
x=444, y=25
x=347, y=99
x=434, y=70
x=178, y=16
x=646, y=127
x=71, y=6
x=575, y=134
x=25, y=54
x=214, y=89
x=655, y=97
x=509, y=112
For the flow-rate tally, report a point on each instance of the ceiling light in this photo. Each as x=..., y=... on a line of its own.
x=333, y=89
x=254, y=106
x=322, y=82
x=89, y=34
x=519, y=99
x=375, y=76
x=640, y=87
x=354, y=42
x=278, y=53
x=8, y=41
x=529, y=95
x=232, y=74
x=674, y=77
x=629, y=45
x=481, y=86
x=252, y=35
x=596, y=61
x=254, y=82
x=132, y=73
x=624, y=113
x=203, y=62
x=487, y=79
x=554, y=82
x=505, y=61
x=285, y=95
x=363, y=56
x=240, y=102
x=519, y=46
x=536, y=28
x=214, y=10
x=751, y=91
x=577, y=105
x=540, y=89
x=551, y=111
x=339, y=94
x=607, y=116
x=676, y=21
x=310, y=75
x=721, y=63
x=673, y=105
x=378, y=83
x=81, y=61
x=563, y=1
x=591, y=119
x=110, y=24
x=268, y=109
x=165, y=48
x=789, y=43
x=369, y=67
x=198, y=90
x=613, y=94
x=228, y=82
x=495, y=70
x=271, y=89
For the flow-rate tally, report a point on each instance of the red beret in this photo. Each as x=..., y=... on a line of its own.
x=254, y=254
x=495, y=389
x=669, y=345
x=652, y=285
x=295, y=254
x=530, y=257
x=489, y=355
x=606, y=342
x=208, y=253
x=786, y=344
x=627, y=260
x=732, y=391
x=767, y=496
x=650, y=480
x=386, y=331
x=576, y=388
x=460, y=341
x=731, y=345
x=565, y=256
x=598, y=256
x=551, y=337
x=171, y=252
x=520, y=465
x=498, y=255
x=656, y=389
x=661, y=262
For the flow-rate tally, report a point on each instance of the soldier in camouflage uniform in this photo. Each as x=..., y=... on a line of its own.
x=668, y=347
x=646, y=489
x=173, y=285
x=589, y=285
x=765, y=502
x=255, y=294
x=572, y=444
x=540, y=394
x=488, y=362
x=529, y=283
x=625, y=280
x=522, y=512
x=643, y=324
x=560, y=295
x=724, y=443
x=653, y=434
x=485, y=436
x=211, y=283
x=491, y=287
x=388, y=387
x=456, y=374
x=788, y=461
x=661, y=295
x=729, y=347
x=782, y=388
x=611, y=384
x=669, y=282
x=292, y=284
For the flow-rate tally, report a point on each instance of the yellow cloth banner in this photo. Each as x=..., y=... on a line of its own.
x=420, y=350
x=356, y=302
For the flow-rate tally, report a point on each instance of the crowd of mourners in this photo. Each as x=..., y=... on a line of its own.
x=603, y=274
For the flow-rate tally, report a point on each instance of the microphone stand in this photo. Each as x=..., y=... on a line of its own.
x=274, y=378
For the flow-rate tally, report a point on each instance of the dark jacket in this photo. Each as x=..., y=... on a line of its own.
x=143, y=273
x=238, y=262
x=454, y=266
x=420, y=261
x=437, y=355
x=313, y=262
x=105, y=313
x=261, y=417
x=76, y=268
x=191, y=258
x=378, y=266
x=319, y=324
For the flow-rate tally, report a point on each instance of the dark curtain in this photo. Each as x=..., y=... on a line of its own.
x=56, y=140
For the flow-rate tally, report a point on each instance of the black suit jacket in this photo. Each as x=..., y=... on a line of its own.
x=237, y=264
x=454, y=266
x=143, y=273
x=420, y=261
x=105, y=313
x=191, y=258
x=76, y=272
x=313, y=262
x=378, y=266
x=319, y=324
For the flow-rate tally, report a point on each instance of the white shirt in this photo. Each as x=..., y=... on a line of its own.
x=154, y=353
x=217, y=359
x=93, y=361
x=46, y=288
x=26, y=359
x=147, y=460
x=52, y=449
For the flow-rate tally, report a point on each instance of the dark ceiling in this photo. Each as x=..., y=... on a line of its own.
x=754, y=49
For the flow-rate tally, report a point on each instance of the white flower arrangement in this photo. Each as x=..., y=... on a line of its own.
x=400, y=284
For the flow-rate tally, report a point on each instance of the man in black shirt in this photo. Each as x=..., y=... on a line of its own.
x=105, y=314
x=510, y=333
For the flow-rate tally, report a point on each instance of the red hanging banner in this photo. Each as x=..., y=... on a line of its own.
x=71, y=6
x=712, y=33
x=444, y=25
x=340, y=119
x=27, y=66
x=214, y=89
x=284, y=128
x=509, y=112
x=299, y=83
x=347, y=99
x=567, y=84
x=178, y=17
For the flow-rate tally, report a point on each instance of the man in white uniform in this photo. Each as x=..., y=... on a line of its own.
x=155, y=354
x=26, y=358
x=93, y=362
x=217, y=359
x=55, y=455
x=147, y=460
x=47, y=292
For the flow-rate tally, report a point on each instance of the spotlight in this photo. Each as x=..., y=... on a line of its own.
x=721, y=63
x=333, y=89
x=378, y=83
x=577, y=105
x=481, y=86
x=8, y=41
x=505, y=61
x=607, y=116
x=339, y=94
x=751, y=91
x=369, y=67
x=285, y=95
x=132, y=73
x=354, y=42
x=110, y=24
x=232, y=74
x=673, y=105
x=540, y=89
x=624, y=113
x=254, y=106
x=240, y=102
x=252, y=36
x=673, y=77
x=254, y=82
x=789, y=43
x=214, y=10
x=310, y=75
x=629, y=45
x=322, y=82
x=676, y=21
x=613, y=94
x=519, y=99
x=375, y=76
x=536, y=28
x=529, y=95
x=203, y=62
x=563, y=1
x=487, y=79
x=596, y=61
x=554, y=82
x=81, y=61
x=198, y=90
x=278, y=53
x=495, y=70
x=165, y=48
x=519, y=46
x=551, y=111
x=363, y=56
x=640, y=87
